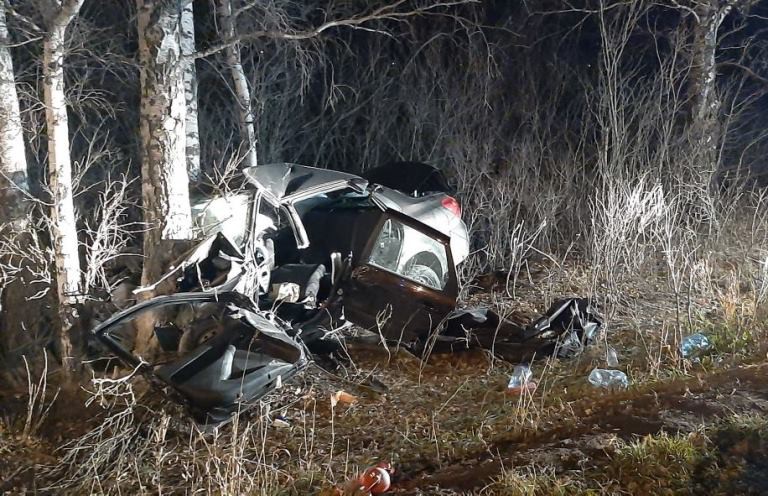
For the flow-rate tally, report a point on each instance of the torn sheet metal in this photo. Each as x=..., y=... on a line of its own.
x=572, y=322
x=214, y=262
x=225, y=357
x=288, y=183
x=564, y=330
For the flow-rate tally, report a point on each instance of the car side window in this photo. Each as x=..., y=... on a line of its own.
x=410, y=253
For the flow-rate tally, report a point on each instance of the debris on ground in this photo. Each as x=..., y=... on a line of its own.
x=694, y=345
x=343, y=398
x=520, y=380
x=612, y=357
x=281, y=422
x=573, y=321
x=606, y=378
x=564, y=331
x=376, y=479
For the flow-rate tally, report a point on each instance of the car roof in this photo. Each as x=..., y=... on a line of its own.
x=286, y=182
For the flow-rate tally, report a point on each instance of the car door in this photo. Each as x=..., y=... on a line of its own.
x=403, y=283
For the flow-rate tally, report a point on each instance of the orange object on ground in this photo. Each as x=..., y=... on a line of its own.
x=528, y=387
x=377, y=479
x=343, y=397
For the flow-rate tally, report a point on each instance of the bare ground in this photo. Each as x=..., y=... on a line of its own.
x=446, y=425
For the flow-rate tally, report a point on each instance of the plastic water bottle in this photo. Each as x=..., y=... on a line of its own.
x=611, y=357
x=693, y=345
x=520, y=380
x=606, y=378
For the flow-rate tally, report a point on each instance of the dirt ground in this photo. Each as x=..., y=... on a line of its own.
x=446, y=425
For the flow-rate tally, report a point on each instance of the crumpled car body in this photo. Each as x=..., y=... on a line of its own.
x=218, y=353
x=293, y=234
x=294, y=254
x=285, y=259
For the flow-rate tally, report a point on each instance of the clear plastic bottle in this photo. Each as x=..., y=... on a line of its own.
x=520, y=380
x=606, y=378
x=693, y=345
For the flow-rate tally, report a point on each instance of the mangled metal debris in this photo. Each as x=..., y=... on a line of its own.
x=564, y=330
x=573, y=321
x=292, y=256
x=218, y=352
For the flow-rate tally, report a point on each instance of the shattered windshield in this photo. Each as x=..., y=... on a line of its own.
x=227, y=214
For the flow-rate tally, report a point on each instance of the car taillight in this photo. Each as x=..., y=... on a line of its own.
x=452, y=204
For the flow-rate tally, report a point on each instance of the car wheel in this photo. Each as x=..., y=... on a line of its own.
x=425, y=268
x=423, y=275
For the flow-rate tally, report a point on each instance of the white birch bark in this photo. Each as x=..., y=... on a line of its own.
x=246, y=120
x=162, y=123
x=163, y=114
x=13, y=162
x=64, y=228
x=711, y=16
x=190, y=89
x=703, y=83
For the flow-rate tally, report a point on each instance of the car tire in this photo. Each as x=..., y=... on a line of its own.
x=426, y=266
x=423, y=275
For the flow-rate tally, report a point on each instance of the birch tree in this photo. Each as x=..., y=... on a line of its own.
x=708, y=17
x=14, y=189
x=13, y=162
x=245, y=116
x=162, y=123
x=190, y=89
x=63, y=228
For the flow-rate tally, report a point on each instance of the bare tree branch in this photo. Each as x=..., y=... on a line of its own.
x=747, y=70
x=387, y=12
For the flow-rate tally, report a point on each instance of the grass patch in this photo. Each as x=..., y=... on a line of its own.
x=737, y=462
x=660, y=464
x=532, y=482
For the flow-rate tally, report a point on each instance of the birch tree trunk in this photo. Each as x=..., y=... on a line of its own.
x=190, y=89
x=246, y=121
x=13, y=201
x=703, y=77
x=63, y=229
x=162, y=122
x=706, y=102
x=13, y=162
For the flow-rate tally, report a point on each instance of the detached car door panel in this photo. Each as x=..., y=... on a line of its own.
x=404, y=281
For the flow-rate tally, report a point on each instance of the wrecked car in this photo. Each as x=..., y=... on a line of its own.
x=290, y=256
x=292, y=235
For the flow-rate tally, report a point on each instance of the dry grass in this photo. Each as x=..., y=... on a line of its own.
x=621, y=210
x=450, y=410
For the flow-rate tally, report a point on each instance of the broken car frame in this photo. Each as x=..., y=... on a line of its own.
x=291, y=256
